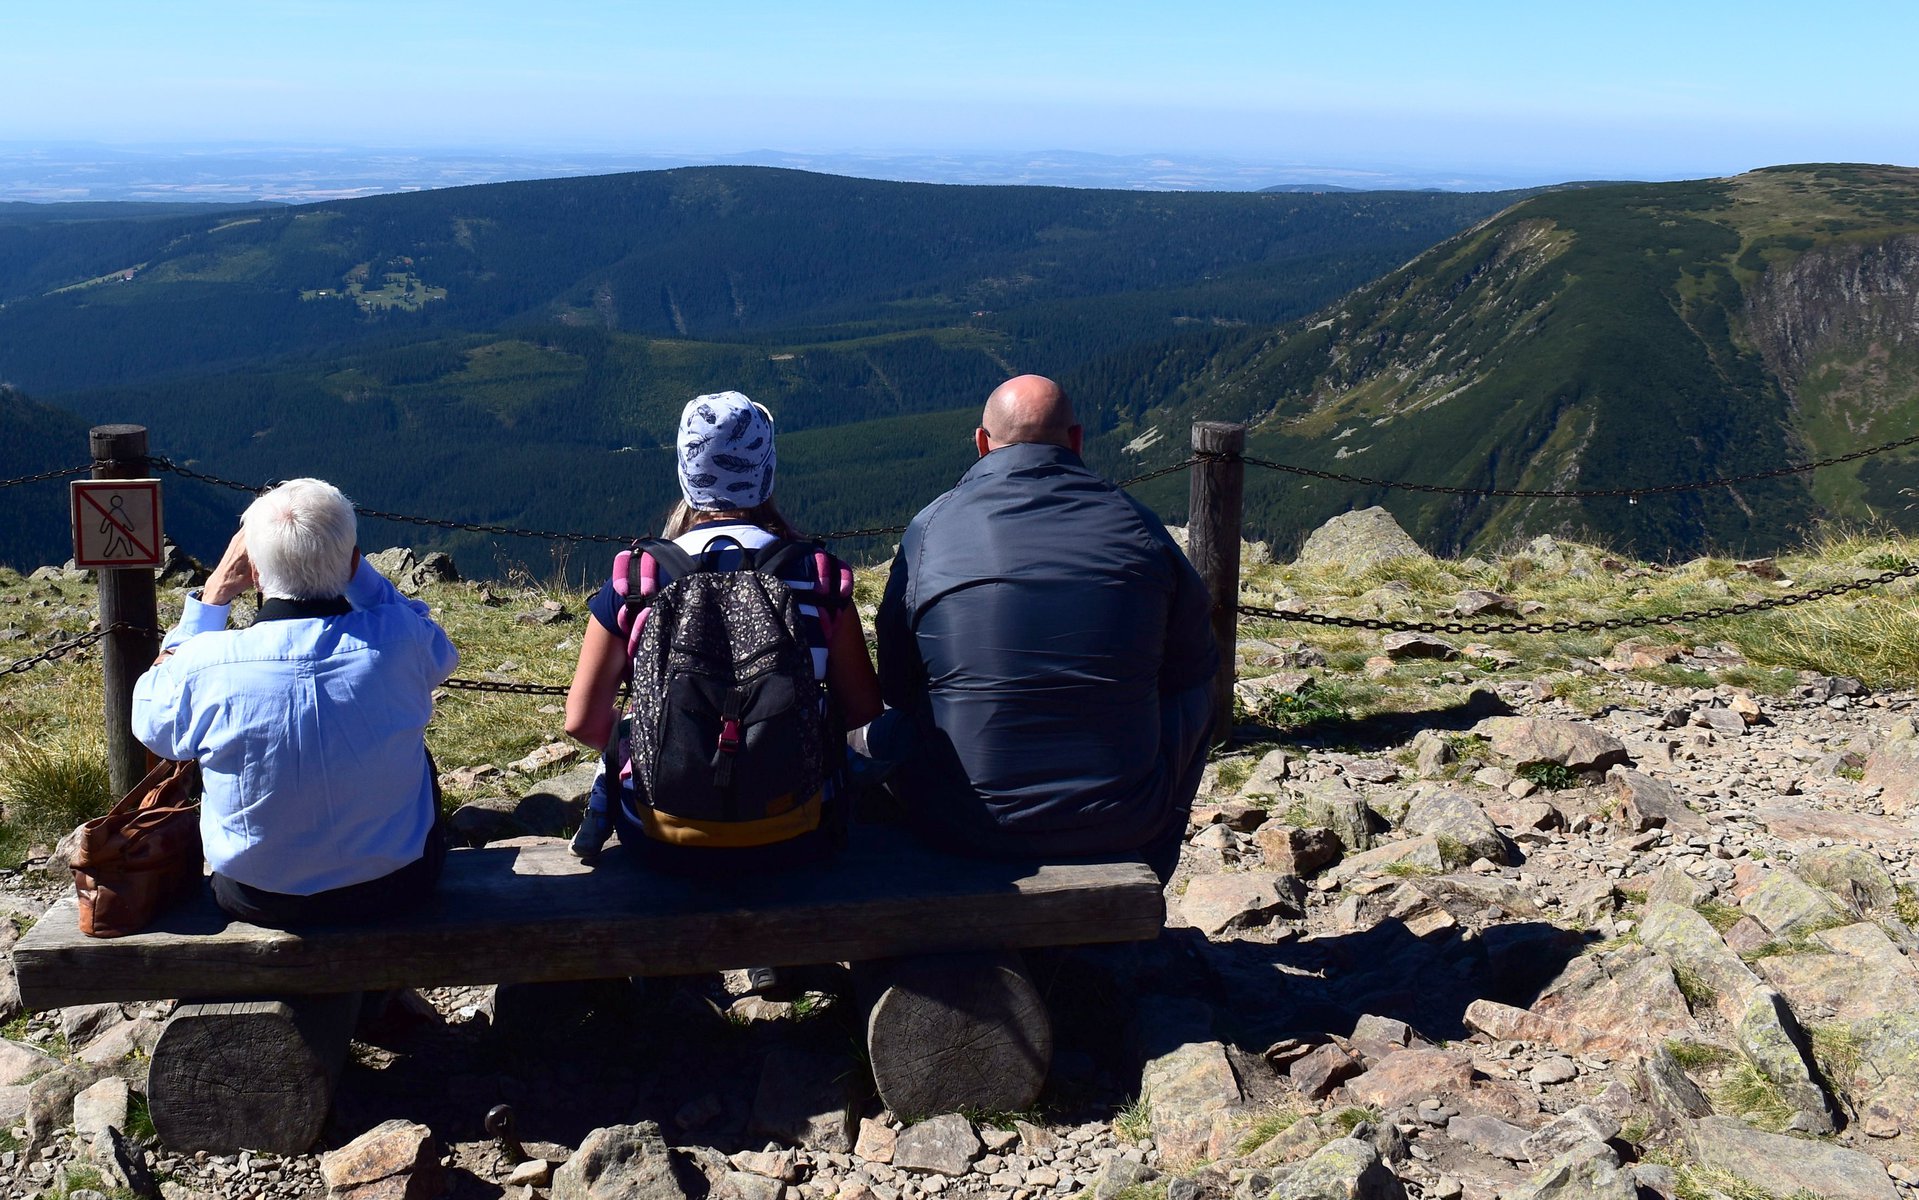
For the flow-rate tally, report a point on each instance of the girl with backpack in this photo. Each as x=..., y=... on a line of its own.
x=746, y=662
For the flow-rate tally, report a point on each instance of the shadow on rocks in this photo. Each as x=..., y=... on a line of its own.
x=1380, y=731
x=570, y=1058
x=1255, y=993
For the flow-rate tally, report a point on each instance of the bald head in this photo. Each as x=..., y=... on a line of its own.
x=1028, y=408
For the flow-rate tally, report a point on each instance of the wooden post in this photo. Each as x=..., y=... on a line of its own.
x=127, y=595
x=1212, y=542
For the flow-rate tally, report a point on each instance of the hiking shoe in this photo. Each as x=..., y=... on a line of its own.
x=595, y=828
x=769, y=983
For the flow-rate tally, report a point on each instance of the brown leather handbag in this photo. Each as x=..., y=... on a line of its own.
x=142, y=855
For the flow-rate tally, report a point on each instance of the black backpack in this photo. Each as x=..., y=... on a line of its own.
x=731, y=733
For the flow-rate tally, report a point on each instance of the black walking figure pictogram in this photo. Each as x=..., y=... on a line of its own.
x=118, y=523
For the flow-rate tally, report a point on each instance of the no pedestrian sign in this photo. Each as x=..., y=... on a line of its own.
x=116, y=523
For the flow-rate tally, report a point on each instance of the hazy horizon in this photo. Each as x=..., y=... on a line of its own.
x=1397, y=94
x=292, y=173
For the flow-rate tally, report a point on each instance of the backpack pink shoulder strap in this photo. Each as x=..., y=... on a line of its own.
x=628, y=573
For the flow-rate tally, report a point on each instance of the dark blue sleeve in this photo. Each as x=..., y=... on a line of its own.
x=605, y=607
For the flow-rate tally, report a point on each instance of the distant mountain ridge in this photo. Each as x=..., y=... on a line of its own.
x=513, y=353
x=1622, y=336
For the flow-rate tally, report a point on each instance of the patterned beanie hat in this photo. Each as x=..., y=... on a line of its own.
x=726, y=456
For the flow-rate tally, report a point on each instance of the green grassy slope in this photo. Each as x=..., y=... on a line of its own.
x=1608, y=337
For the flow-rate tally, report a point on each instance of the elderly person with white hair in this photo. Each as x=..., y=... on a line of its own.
x=321, y=802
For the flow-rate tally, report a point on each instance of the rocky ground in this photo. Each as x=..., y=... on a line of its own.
x=1516, y=945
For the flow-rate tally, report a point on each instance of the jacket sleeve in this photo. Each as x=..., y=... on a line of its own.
x=162, y=716
x=902, y=675
x=1191, y=656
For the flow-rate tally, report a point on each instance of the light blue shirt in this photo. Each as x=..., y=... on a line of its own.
x=310, y=733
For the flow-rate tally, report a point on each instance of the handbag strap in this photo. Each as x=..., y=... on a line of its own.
x=164, y=773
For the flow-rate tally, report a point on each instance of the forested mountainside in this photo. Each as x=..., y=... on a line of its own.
x=516, y=353
x=1619, y=336
x=702, y=253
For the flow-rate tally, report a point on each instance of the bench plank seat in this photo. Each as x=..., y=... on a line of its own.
x=531, y=912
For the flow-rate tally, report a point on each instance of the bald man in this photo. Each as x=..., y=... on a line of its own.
x=1046, y=650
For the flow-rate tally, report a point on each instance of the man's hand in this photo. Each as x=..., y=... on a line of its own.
x=233, y=576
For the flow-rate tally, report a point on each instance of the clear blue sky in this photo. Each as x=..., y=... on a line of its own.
x=1680, y=88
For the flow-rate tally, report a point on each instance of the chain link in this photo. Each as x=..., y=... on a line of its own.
x=1591, y=626
x=62, y=649
x=1664, y=489
x=59, y=473
x=512, y=689
x=167, y=464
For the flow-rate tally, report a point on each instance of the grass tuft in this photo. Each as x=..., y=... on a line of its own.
x=1906, y=906
x=1838, y=1051
x=1749, y=1095
x=1698, y=1056
x=1134, y=1123
x=1720, y=915
x=50, y=783
x=140, y=1120
x=1699, y=994
x=1267, y=1127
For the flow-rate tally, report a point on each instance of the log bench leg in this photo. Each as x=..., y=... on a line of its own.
x=955, y=1031
x=249, y=1074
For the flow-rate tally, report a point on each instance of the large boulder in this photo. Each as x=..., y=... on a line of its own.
x=942, y=1145
x=1343, y=1169
x=1788, y=906
x=1334, y=806
x=395, y=1160
x=1217, y=904
x=1186, y=1090
x=621, y=1162
x=1588, y=1171
x=1785, y=1165
x=1772, y=1041
x=1456, y=818
x=1403, y=1079
x=1854, y=875
x=1648, y=803
x=1355, y=541
x=1698, y=954
x=1575, y=745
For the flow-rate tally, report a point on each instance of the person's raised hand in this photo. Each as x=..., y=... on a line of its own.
x=232, y=576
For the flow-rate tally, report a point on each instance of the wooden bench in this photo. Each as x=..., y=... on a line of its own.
x=250, y=1057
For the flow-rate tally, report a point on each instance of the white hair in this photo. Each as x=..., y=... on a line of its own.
x=300, y=539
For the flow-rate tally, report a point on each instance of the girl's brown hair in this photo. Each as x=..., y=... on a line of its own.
x=766, y=515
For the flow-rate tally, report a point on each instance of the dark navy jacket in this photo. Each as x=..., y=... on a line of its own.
x=1040, y=627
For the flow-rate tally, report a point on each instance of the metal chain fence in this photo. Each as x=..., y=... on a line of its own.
x=61, y=649
x=56, y=473
x=1375, y=624
x=1596, y=625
